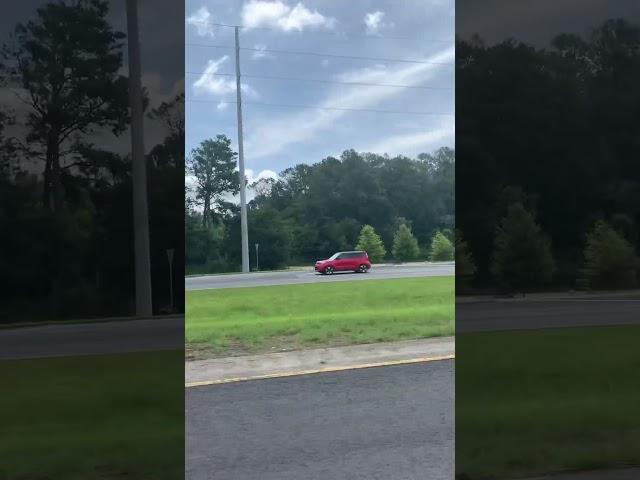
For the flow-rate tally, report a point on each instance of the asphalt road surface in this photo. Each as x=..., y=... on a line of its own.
x=533, y=314
x=309, y=276
x=100, y=337
x=382, y=423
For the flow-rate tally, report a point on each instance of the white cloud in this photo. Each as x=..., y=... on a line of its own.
x=279, y=15
x=260, y=53
x=209, y=82
x=374, y=22
x=250, y=174
x=222, y=106
x=272, y=138
x=415, y=143
x=201, y=20
x=366, y=74
x=325, y=63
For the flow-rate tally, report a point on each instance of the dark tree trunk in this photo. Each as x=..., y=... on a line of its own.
x=206, y=211
x=52, y=194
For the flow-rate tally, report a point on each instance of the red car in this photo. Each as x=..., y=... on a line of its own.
x=343, y=262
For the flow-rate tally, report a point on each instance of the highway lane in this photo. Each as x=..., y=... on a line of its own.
x=167, y=333
x=521, y=314
x=258, y=279
x=91, y=338
x=393, y=422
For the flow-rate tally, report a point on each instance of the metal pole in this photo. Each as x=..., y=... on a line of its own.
x=243, y=195
x=139, y=170
x=170, y=258
x=257, y=262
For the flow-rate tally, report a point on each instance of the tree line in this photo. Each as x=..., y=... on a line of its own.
x=548, y=188
x=66, y=247
x=396, y=208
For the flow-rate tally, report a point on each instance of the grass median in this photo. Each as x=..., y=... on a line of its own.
x=542, y=401
x=93, y=417
x=287, y=317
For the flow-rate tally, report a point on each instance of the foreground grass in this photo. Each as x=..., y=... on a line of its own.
x=94, y=417
x=243, y=320
x=538, y=401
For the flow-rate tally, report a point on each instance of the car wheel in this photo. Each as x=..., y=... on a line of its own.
x=328, y=270
x=362, y=269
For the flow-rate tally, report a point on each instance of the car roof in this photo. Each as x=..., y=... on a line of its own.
x=352, y=251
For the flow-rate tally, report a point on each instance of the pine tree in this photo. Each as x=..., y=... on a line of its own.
x=465, y=264
x=212, y=165
x=609, y=259
x=405, y=245
x=370, y=242
x=441, y=248
x=522, y=253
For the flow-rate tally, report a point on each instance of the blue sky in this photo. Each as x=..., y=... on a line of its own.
x=279, y=137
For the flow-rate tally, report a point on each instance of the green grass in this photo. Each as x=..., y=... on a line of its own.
x=533, y=402
x=94, y=417
x=297, y=316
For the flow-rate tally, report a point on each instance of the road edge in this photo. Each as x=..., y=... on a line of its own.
x=319, y=370
x=220, y=371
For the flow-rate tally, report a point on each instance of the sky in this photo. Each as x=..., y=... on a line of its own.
x=324, y=117
x=540, y=21
x=161, y=33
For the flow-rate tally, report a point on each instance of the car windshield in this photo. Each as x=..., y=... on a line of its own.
x=334, y=256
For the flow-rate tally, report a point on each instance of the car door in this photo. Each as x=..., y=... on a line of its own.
x=341, y=262
x=357, y=260
x=354, y=261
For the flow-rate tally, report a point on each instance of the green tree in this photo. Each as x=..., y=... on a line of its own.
x=441, y=248
x=405, y=246
x=270, y=230
x=609, y=259
x=465, y=264
x=213, y=165
x=370, y=242
x=522, y=253
x=68, y=60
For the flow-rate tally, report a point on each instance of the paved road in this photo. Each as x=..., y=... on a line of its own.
x=160, y=333
x=379, y=423
x=532, y=314
x=291, y=277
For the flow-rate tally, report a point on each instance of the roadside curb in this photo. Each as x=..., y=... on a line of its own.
x=629, y=295
x=324, y=360
x=623, y=473
x=319, y=370
x=86, y=321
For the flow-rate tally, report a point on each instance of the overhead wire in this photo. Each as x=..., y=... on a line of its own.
x=337, y=35
x=318, y=54
x=315, y=107
x=315, y=80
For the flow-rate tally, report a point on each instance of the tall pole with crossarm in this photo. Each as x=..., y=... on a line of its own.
x=139, y=169
x=243, y=184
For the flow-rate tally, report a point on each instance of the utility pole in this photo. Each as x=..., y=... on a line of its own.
x=170, y=258
x=139, y=169
x=243, y=194
x=257, y=262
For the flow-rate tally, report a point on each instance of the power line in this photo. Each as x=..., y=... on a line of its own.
x=313, y=107
x=337, y=35
x=317, y=54
x=313, y=80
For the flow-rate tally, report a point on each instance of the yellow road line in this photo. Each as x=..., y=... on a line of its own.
x=319, y=370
